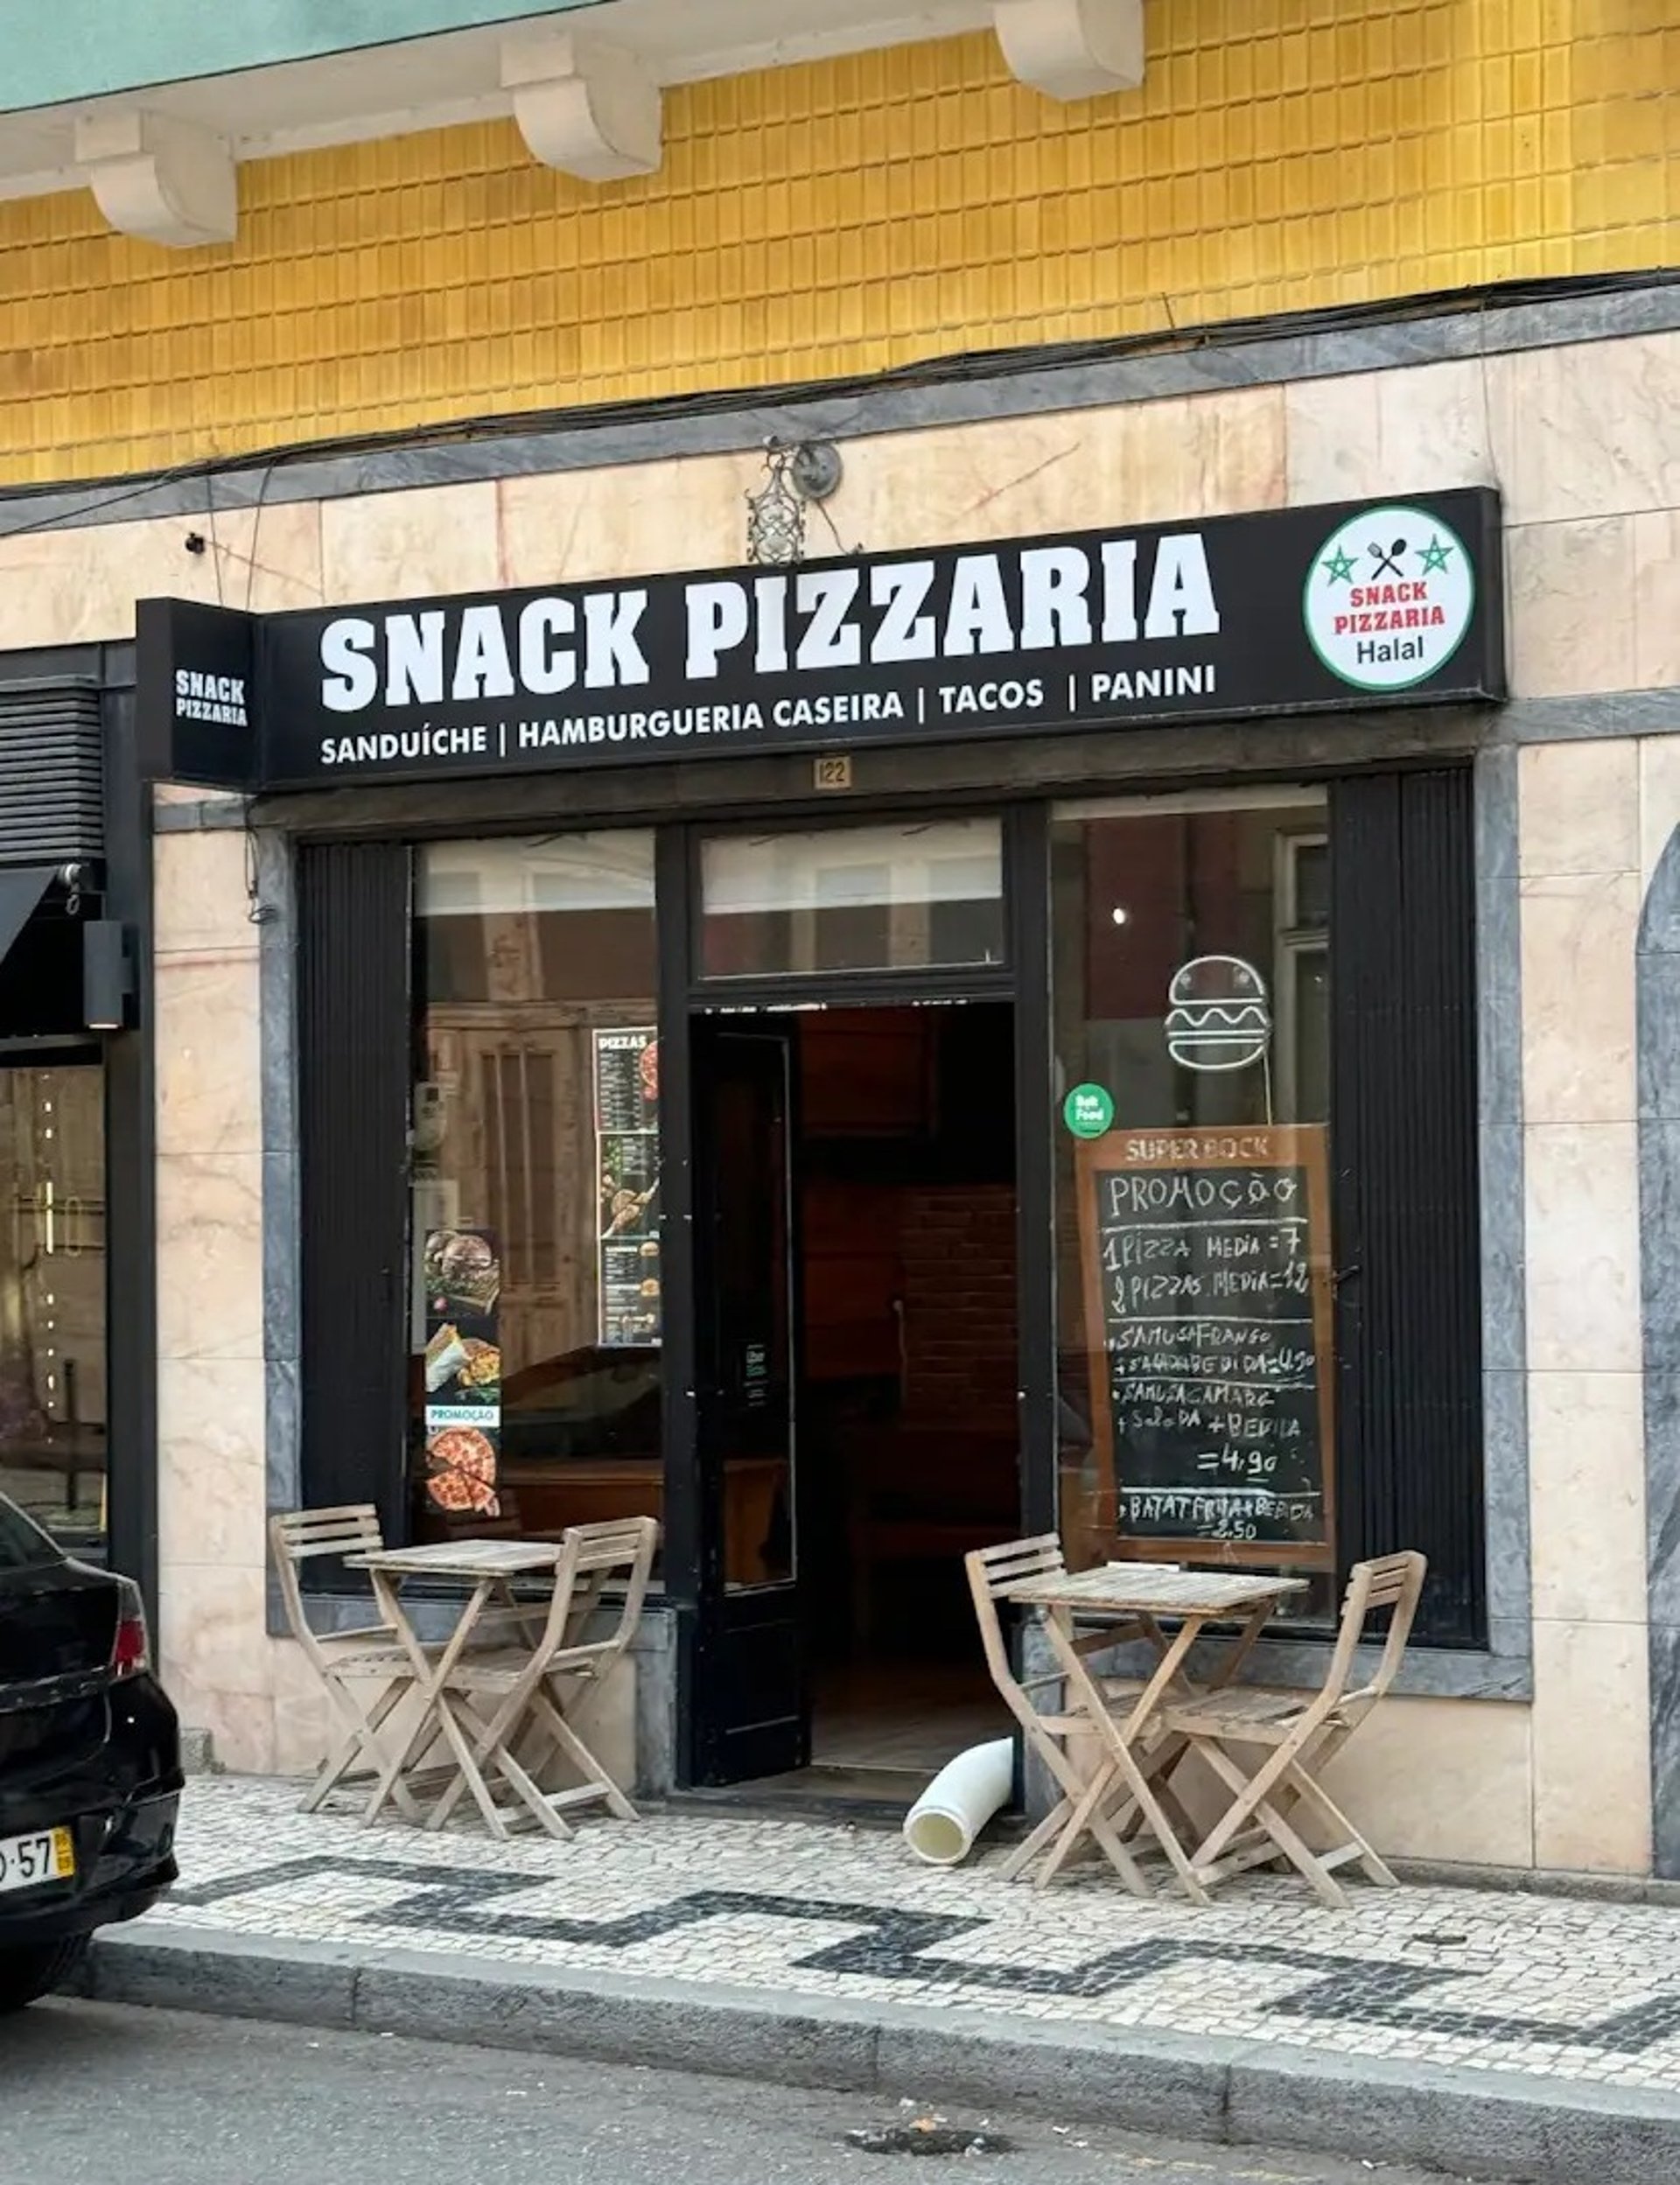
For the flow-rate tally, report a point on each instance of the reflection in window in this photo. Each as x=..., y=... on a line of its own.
x=53, y=1421
x=1302, y=960
x=1191, y=946
x=538, y=1297
x=853, y=899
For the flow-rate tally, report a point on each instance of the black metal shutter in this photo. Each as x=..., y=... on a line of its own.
x=52, y=776
x=1403, y=1148
x=353, y=1121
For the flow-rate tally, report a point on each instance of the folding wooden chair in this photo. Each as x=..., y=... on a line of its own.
x=368, y=1654
x=530, y=1692
x=1304, y=1735
x=990, y=1572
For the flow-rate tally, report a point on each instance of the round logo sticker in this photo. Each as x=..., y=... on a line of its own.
x=1087, y=1110
x=1389, y=598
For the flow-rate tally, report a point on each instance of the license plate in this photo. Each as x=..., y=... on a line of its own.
x=27, y=1861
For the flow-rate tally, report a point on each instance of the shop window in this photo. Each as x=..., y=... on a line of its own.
x=53, y=1421
x=853, y=899
x=537, y=1300
x=1266, y=1252
x=1196, y=1262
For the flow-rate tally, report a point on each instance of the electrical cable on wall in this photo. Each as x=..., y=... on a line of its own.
x=957, y=368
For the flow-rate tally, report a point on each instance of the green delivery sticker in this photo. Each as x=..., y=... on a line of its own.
x=1088, y=1111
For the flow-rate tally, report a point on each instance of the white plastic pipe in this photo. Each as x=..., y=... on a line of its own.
x=941, y=1825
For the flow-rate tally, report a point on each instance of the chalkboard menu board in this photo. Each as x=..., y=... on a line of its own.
x=1209, y=1323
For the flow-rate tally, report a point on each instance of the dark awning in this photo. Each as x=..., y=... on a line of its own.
x=21, y=890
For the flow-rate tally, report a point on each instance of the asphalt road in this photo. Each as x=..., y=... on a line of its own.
x=95, y=2095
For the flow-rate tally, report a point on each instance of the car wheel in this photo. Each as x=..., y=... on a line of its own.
x=25, y=1974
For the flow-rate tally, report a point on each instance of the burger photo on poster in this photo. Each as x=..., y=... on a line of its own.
x=463, y=1274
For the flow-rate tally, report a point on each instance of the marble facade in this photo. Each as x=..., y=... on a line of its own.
x=1542, y=1752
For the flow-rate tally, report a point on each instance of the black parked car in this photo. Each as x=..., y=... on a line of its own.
x=90, y=1770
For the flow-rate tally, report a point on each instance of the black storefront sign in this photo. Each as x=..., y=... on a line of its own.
x=195, y=712
x=1334, y=608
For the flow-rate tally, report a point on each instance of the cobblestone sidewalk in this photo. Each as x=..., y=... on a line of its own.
x=1576, y=1991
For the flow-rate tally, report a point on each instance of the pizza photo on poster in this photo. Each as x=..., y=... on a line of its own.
x=461, y=1472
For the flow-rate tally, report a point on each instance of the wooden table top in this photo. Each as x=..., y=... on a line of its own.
x=461, y=1558
x=1155, y=1590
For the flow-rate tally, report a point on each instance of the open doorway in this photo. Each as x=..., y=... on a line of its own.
x=858, y=1324
x=904, y=1168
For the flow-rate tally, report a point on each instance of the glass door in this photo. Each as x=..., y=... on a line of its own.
x=750, y=1695
x=53, y=1300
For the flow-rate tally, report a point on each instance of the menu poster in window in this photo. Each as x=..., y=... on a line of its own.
x=631, y=1292
x=1209, y=1325
x=462, y=1270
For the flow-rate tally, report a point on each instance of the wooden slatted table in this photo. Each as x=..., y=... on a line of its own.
x=1114, y=1592
x=488, y=1567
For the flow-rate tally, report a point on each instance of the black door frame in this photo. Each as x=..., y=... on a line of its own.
x=1022, y=980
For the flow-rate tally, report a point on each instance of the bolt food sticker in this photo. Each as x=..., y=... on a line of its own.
x=1389, y=598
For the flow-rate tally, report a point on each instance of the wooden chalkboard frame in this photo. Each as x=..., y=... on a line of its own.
x=1303, y=1146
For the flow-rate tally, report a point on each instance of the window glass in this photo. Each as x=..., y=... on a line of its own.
x=21, y=1544
x=53, y=1425
x=853, y=899
x=1191, y=964
x=538, y=1299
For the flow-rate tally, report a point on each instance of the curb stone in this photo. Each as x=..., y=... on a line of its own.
x=1481, y=2123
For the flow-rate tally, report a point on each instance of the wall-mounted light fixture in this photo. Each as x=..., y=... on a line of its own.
x=797, y=477
x=107, y=975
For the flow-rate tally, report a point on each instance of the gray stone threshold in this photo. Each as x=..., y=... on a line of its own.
x=1541, y=1881
x=1484, y=2124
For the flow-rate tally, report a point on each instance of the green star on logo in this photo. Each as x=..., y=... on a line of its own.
x=1435, y=556
x=1340, y=569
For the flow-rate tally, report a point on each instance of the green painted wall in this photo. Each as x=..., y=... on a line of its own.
x=84, y=49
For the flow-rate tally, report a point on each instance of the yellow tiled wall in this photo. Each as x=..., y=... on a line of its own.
x=857, y=214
